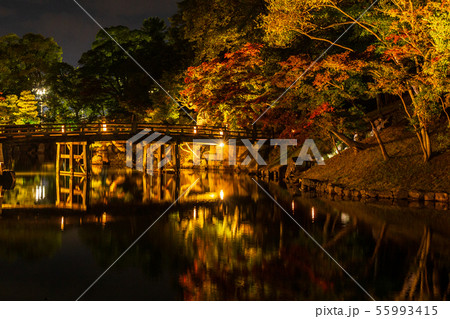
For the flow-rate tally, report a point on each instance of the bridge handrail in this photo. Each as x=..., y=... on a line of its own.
x=126, y=128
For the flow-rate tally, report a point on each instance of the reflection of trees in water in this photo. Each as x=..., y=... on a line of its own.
x=423, y=281
x=249, y=252
x=29, y=240
x=24, y=192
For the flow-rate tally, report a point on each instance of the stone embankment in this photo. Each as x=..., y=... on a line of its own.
x=438, y=200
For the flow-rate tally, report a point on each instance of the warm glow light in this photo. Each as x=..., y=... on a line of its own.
x=293, y=206
x=62, y=223
x=104, y=219
x=313, y=214
x=104, y=128
x=221, y=144
x=195, y=212
x=293, y=131
x=221, y=133
x=222, y=195
x=345, y=218
x=195, y=129
x=212, y=195
x=39, y=192
x=63, y=129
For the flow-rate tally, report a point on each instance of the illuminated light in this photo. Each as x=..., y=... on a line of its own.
x=222, y=194
x=104, y=128
x=293, y=206
x=104, y=219
x=293, y=131
x=63, y=129
x=62, y=223
x=212, y=195
x=313, y=214
x=195, y=212
x=345, y=219
x=195, y=129
x=222, y=144
x=221, y=133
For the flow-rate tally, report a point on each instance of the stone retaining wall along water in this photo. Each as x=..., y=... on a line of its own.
x=438, y=200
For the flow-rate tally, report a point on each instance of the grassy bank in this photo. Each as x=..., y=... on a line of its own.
x=404, y=170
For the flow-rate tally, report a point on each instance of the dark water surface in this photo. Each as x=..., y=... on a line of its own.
x=224, y=240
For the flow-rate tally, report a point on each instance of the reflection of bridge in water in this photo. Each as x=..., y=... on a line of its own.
x=121, y=189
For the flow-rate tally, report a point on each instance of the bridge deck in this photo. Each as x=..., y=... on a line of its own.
x=118, y=132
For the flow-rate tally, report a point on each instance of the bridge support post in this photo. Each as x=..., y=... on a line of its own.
x=72, y=171
x=176, y=154
x=160, y=157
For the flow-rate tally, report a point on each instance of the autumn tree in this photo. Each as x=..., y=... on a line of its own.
x=230, y=90
x=414, y=50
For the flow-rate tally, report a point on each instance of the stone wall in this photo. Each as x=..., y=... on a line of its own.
x=438, y=200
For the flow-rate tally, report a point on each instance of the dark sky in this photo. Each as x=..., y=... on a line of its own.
x=70, y=26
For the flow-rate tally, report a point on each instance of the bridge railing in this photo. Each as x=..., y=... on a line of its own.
x=59, y=129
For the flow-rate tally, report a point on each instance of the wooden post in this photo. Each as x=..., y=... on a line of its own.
x=177, y=157
x=160, y=157
x=58, y=157
x=144, y=158
x=70, y=145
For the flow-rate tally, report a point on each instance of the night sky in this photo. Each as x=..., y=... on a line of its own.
x=72, y=29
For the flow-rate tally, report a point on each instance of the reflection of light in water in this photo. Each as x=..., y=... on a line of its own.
x=40, y=192
x=345, y=218
x=195, y=212
x=222, y=195
x=293, y=207
x=313, y=214
x=62, y=223
x=104, y=219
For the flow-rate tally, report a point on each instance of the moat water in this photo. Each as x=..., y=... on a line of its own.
x=224, y=239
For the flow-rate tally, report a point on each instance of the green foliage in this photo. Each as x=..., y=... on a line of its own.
x=215, y=27
x=19, y=109
x=25, y=62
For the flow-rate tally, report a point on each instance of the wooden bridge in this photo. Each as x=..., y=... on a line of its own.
x=97, y=132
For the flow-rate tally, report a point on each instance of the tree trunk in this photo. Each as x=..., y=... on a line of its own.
x=380, y=142
x=421, y=132
x=379, y=104
x=350, y=143
x=334, y=144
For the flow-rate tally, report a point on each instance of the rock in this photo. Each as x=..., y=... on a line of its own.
x=330, y=189
x=399, y=194
x=429, y=197
x=347, y=192
x=338, y=190
x=441, y=197
x=371, y=194
x=415, y=195
x=97, y=160
x=385, y=194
